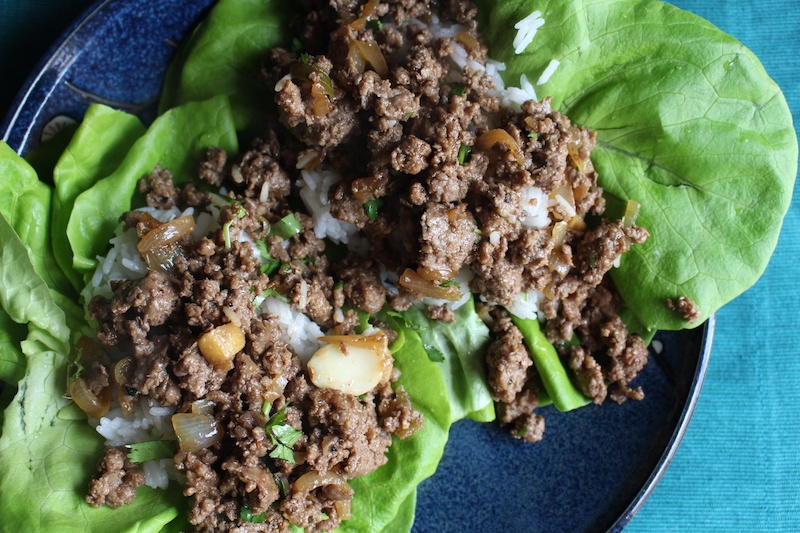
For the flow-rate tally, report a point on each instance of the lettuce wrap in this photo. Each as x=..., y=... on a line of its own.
x=688, y=124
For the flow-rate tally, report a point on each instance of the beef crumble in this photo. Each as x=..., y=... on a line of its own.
x=438, y=179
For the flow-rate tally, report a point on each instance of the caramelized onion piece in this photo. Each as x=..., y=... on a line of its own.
x=468, y=40
x=557, y=262
x=93, y=405
x=313, y=480
x=498, y=135
x=195, y=431
x=361, y=53
x=165, y=234
x=410, y=279
x=577, y=153
x=366, y=189
x=304, y=71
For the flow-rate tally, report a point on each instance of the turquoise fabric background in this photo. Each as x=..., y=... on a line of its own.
x=738, y=467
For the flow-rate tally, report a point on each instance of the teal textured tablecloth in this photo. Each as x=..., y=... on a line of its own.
x=738, y=468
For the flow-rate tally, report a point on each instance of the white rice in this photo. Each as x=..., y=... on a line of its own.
x=548, y=71
x=299, y=331
x=526, y=31
x=147, y=421
x=462, y=280
x=526, y=305
x=534, y=208
x=314, y=187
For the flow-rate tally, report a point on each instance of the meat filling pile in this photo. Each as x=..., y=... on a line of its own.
x=442, y=191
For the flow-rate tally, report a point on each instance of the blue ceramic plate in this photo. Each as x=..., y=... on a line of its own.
x=596, y=465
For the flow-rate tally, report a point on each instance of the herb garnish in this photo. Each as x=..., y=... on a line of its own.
x=282, y=435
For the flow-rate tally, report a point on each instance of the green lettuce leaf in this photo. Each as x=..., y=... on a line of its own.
x=177, y=141
x=96, y=149
x=222, y=56
x=463, y=345
x=688, y=124
x=25, y=204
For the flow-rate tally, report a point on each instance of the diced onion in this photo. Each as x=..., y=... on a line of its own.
x=313, y=480
x=93, y=405
x=375, y=342
x=361, y=53
x=468, y=40
x=498, y=135
x=574, y=148
x=120, y=369
x=203, y=407
x=631, y=213
x=556, y=260
x=364, y=189
x=166, y=234
x=303, y=71
x=195, y=431
x=410, y=279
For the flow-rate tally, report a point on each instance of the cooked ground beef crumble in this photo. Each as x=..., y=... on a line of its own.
x=448, y=168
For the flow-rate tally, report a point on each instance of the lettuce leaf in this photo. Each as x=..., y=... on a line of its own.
x=463, y=344
x=177, y=141
x=96, y=149
x=222, y=56
x=688, y=124
x=25, y=204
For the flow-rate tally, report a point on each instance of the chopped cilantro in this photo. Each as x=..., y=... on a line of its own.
x=464, y=152
x=287, y=227
x=457, y=89
x=371, y=207
x=375, y=24
x=282, y=435
x=152, y=450
x=434, y=353
x=533, y=135
x=304, y=57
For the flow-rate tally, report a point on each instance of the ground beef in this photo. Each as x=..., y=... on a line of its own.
x=210, y=282
x=117, y=480
x=434, y=175
x=686, y=307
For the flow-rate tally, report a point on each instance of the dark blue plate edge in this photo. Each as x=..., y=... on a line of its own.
x=680, y=430
x=49, y=62
x=45, y=64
